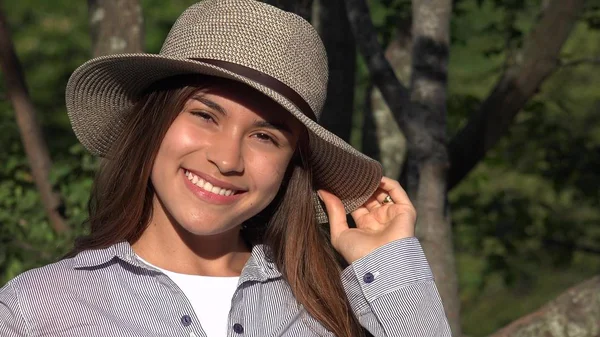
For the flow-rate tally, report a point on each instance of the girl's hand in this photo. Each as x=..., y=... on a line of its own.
x=377, y=223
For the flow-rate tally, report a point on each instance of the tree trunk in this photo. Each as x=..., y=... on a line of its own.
x=370, y=144
x=300, y=7
x=390, y=141
x=576, y=312
x=421, y=115
x=29, y=128
x=427, y=161
x=539, y=58
x=396, y=95
x=117, y=26
x=331, y=22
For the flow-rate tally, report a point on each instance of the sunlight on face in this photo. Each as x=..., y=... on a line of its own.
x=222, y=160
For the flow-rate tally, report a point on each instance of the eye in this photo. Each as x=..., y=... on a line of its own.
x=203, y=115
x=264, y=137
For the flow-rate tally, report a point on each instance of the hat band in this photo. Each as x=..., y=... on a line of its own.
x=266, y=80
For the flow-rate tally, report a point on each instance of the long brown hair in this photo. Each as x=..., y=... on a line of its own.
x=121, y=206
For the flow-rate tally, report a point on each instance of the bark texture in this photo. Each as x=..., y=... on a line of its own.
x=116, y=26
x=396, y=95
x=427, y=162
x=421, y=115
x=330, y=20
x=35, y=146
x=538, y=59
x=390, y=144
x=576, y=312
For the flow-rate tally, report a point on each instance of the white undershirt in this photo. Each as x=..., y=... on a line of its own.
x=210, y=297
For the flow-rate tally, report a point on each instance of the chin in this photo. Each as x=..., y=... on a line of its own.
x=207, y=226
x=203, y=231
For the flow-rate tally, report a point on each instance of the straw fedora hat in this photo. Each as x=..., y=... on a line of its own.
x=275, y=52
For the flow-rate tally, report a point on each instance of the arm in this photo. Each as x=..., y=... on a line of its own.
x=12, y=321
x=392, y=292
x=388, y=283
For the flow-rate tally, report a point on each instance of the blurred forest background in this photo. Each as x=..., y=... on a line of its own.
x=524, y=220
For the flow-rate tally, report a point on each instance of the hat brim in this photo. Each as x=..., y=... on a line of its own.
x=101, y=90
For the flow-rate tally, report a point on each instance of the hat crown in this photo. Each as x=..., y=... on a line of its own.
x=258, y=36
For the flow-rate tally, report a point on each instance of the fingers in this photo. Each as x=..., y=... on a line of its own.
x=359, y=212
x=372, y=202
x=393, y=188
x=335, y=212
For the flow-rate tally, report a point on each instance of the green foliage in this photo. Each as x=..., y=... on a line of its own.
x=27, y=239
x=523, y=219
x=530, y=210
x=51, y=39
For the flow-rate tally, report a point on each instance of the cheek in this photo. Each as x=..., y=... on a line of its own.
x=177, y=142
x=269, y=172
x=179, y=139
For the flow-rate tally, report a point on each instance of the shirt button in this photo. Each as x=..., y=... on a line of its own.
x=186, y=320
x=368, y=278
x=238, y=328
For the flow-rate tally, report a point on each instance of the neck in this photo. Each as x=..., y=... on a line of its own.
x=171, y=247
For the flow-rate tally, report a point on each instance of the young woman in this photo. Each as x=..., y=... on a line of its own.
x=208, y=215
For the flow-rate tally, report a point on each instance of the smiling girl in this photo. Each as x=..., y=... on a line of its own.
x=220, y=205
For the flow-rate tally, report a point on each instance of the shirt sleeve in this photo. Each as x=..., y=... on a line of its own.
x=12, y=321
x=393, y=294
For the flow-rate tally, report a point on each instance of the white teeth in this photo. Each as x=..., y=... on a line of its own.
x=206, y=185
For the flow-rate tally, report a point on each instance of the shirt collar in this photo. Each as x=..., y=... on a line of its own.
x=258, y=267
x=97, y=257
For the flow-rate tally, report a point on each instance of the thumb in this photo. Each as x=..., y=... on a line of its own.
x=335, y=212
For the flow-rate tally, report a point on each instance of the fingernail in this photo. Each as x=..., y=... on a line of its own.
x=320, y=196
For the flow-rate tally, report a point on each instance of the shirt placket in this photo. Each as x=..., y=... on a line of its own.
x=237, y=321
x=184, y=315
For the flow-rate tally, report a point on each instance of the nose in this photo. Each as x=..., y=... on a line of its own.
x=225, y=153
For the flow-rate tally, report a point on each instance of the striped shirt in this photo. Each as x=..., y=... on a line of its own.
x=110, y=292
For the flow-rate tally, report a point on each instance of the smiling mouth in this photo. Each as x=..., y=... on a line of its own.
x=205, y=185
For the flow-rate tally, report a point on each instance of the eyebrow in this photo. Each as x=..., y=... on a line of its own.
x=210, y=104
x=269, y=125
x=257, y=123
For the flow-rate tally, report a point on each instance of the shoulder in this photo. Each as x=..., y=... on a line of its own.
x=69, y=274
x=41, y=298
x=49, y=276
x=31, y=289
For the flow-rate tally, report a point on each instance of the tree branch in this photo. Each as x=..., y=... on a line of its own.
x=516, y=86
x=29, y=128
x=396, y=95
x=574, y=312
x=577, y=62
x=382, y=138
x=24, y=246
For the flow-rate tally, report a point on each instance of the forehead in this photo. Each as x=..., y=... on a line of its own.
x=231, y=94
